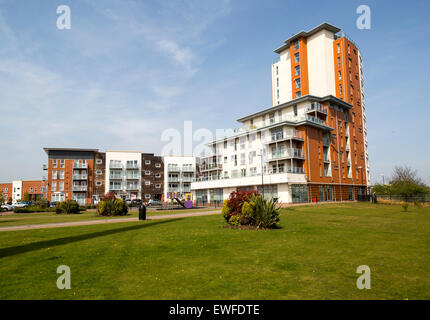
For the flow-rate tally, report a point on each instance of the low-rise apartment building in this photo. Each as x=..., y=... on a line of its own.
x=179, y=173
x=16, y=190
x=311, y=144
x=85, y=175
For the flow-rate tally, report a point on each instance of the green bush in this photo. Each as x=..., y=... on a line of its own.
x=405, y=206
x=33, y=209
x=417, y=203
x=68, y=206
x=266, y=213
x=250, y=209
x=112, y=207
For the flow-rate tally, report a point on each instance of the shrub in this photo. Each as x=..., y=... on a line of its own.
x=68, y=206
x=22, y=210
x=112, y=207
x=405, y=206
x=266, y=212
x=249, y=208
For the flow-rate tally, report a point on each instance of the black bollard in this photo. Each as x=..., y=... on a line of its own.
x=142, y=212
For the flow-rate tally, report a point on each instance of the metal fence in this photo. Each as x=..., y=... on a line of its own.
x=425, y=198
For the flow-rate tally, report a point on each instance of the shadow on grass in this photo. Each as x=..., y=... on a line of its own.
x=11, y=251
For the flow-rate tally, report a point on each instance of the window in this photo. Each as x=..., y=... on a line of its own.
x=340, y=75
x=98, y=183
x=277, y=82
x=295, y=111
x=147, y=172
x=338, y=48
x=298, y=94
x=296, y=45
x=31, y=190
x=147, y=183
x=54, y=175
x=340, y=89
x=297, y=57
x=280, y=115
x=277, y=93
x=62, y=186
x=147, y=196
x=98, y=172
x=62, y=162
x=297, y=70
x=99, y=161
x=147, y=161
x=158, y=175
x=338, y=62
x=54, y=163
x=158, y=165
x=272, y=118
x=54, y=186
x=225, y=142
x=277, y=70
x=61, y=175
x=242, y=158
x=298, y=83
x=158, y=186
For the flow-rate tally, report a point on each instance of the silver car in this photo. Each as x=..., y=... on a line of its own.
x=7, y=207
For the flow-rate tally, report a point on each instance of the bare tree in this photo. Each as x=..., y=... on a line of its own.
x=402, y=174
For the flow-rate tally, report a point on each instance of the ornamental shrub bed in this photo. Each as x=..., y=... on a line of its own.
x=112, y=206
x=249, y=209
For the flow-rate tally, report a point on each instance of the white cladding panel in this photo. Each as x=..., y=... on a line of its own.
x=321, y=64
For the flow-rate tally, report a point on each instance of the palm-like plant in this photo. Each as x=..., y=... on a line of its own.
x=266, y=213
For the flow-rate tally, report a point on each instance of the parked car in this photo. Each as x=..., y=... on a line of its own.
x=136, y=202
x=153, y=202
x=21, y=205
x=7, y=207
x=53, y=204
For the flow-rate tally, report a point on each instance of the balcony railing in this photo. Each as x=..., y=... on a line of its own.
x=115, y=165
x=210, y=166
x=80, y=176
x=115, y=177
x=115, y=187
x=285, y=136
x=326, y=142
x=238, y=175
x=77, y=165
x=173, y=179
x=326, y=158
x=79, y=188
x=187, y=169
x=288, y=153
x=173, y=168
x=316, y=107
x=132, y=177
x=132, y=187
x=316, y=120
x=132, y=166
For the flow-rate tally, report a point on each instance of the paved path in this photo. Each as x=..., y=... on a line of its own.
x=104, y=221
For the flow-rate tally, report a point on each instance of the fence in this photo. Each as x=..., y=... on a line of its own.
x=424, y=198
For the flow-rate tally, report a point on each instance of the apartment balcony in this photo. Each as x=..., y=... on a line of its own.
x=186, y=189
x=326, y=158
x=115, y=177
x=316, y=107
x=77, y=165
x=172, y=179
x=347, y=147
x=133, y=188
x=132, y=177
x=187, y=169
x=296, y=135
x=45, y=167
x=115, y=188
x=316, y=120
x=173, y=190
x=210, y=166
x=290, y=153
x=187, y=179
x=82, y=176
x=173, y=169
x=80, y=188
x=298, y=170
x=115, y=166
x=132, y=166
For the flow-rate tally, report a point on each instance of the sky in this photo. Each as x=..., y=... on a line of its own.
x=128, y=71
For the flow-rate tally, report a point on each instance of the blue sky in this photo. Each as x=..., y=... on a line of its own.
x=127, y=70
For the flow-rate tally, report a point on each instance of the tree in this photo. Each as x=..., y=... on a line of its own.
x=405, y=182
x=26, y=197
x=9, y=202
x=405, y=174
x=2, y=198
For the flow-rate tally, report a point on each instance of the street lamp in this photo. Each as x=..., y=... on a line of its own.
x=383, y=179
x=262, y=181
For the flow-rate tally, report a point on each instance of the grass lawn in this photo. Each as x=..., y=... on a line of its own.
x=19, y=219
x=314, y=255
